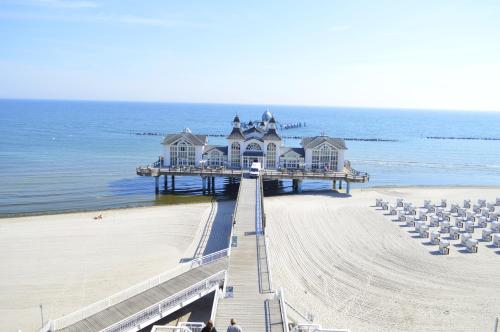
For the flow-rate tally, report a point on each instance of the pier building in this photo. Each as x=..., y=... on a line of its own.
x=260, y=142
x=317, y=158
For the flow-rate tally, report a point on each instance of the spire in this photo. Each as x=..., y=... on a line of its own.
x=272, y=123
x=236, y=121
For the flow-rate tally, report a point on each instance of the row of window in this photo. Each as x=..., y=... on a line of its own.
x=183, y=154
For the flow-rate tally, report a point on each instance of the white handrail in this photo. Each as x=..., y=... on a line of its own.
x=158, y=308
x=307, y=319
x=315, y=328
x=170, y=328
x=204, y=236
x=121, y=296
x=192, y=326
x=210, y=258
x=284, y=317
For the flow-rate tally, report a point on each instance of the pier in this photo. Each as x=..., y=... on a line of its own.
x=239, y=276
x=250, y=300
x=208, y=175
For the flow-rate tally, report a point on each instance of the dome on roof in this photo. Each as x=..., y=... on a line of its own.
x=250, y=123
x=266, y=116
x=236, y=118
x=272, y=120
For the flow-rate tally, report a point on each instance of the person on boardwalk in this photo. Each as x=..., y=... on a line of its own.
x=233, y=327
x=209, y=327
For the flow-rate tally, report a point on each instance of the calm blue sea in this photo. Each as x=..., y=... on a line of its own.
x=74, y=155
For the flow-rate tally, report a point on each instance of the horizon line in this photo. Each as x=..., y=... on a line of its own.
x=136, y=101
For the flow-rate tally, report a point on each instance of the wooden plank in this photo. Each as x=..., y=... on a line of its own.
x=146, y=299
x=248, y=304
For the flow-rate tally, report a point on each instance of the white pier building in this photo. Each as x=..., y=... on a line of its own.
x=258, y=142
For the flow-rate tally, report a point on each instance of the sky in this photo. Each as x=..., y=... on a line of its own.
x=429, y=54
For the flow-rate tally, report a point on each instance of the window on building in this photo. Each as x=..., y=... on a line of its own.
x=271, y=156
x=324, y=157
x=215, y=158
x=182, y=154
x=235, y=155
x=253, y=147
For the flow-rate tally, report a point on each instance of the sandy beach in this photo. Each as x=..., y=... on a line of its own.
x=345, y=262
x=67, y=261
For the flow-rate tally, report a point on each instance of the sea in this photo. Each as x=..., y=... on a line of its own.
x=62, y=156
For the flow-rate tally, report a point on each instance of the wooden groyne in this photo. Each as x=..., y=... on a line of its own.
x=464, y=138
x=362, y=139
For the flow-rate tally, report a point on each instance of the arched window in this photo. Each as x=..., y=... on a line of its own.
x=271, y=156
x=235, y=155
x=253, y=147
x=215, y=158
x=325, y=158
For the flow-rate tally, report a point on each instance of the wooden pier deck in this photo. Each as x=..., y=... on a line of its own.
x=250, y=303
x=135, y=304
x=348, y=175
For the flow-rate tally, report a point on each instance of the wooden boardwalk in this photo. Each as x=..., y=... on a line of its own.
x=146, y=299
x=346, y=174
x=251, y=304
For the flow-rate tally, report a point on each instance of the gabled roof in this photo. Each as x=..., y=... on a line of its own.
x=271, y=135
x=236, y=133
x=193, y=139
x=312, y=142
x=220, y=148
x=299, y=151
x=255, y=138
x=252, y=130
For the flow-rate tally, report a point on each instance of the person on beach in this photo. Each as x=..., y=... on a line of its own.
x=233, y=327
x=209, y=327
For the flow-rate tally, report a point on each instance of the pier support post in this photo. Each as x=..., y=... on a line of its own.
x=334, y=186
x=204, y=183
x=299, y=186
x=213, y=183
x=340, y=184
x=347, y=187
x=209, y=184
x=173, y=182
x=157, y=185
x=165, y=182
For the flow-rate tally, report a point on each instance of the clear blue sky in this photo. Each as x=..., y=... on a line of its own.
x=438, y=54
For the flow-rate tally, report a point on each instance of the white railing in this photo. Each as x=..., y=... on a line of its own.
x=210, y=258
x=140, y=319
x=258, y=211
x=125, y=294
x=268, y=262
x=301, y=315
x=121, y=296
x=284, y=317
x=168, y=328
x=315, y=328
x=192, y=326
x=218, y=294
x=208, y=226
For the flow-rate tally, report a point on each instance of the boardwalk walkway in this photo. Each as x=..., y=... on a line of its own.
x=251, y=304
x=133, y=305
